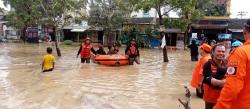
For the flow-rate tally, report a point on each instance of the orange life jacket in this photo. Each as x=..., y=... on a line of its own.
x=85, y=53
x=210, y=93
x=197, y=73
x=132, y=50
x=235, y=93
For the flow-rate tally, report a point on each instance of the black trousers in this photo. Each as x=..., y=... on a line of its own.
x=85, y=59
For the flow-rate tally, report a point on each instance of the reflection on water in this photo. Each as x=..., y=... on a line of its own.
x=150, y=85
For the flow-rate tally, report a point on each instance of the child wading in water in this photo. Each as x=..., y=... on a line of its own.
x=48, y=63
x=85, y=50
x=133, y=52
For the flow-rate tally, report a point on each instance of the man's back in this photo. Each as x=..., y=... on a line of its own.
x=48, y=60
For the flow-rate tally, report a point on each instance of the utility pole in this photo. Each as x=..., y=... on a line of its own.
x=241, y=14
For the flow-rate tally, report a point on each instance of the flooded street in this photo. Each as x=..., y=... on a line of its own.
x=150, y=85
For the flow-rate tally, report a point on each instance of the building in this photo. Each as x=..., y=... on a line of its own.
x=210, y=29
x=145, y=32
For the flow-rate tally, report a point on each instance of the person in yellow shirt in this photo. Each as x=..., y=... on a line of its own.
x=48, y=63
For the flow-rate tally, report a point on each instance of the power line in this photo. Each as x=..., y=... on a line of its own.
x=242, y=13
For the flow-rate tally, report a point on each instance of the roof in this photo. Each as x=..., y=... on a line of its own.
x=212, y=22
x=236, y=23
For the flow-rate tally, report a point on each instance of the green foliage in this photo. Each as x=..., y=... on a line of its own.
x=68, y=42
x=48, y=12
x=176, y=23
x=24, y=13
x=108, y=14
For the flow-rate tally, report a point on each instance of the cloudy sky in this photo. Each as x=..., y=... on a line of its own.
x=236, y=6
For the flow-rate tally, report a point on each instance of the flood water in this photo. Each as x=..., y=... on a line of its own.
x=150, y=85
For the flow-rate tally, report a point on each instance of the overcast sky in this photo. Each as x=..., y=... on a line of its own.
x=236, y=6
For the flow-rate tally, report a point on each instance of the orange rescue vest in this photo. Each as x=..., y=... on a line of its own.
x=85, y=53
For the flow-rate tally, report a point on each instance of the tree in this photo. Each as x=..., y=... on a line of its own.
x=193, y=10
x=58, y=13
x=55, y=13
x=25, y=14
x=162, y=7
x=108, y=14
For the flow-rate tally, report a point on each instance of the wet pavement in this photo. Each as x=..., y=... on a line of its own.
x=150, y=85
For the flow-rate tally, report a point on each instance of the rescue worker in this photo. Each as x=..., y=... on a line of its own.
x=85, y=49
x=133, y=52
x=235, y=93
x=194, y=51
x=196, y=81
x=214, y=75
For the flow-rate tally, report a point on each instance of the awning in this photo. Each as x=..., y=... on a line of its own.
x=78, y=30
x=236, y=30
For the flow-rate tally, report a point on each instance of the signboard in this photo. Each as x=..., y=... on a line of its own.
x=223, y=37
x=194, y=36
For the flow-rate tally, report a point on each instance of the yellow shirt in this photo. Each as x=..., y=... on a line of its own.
x=48, y=61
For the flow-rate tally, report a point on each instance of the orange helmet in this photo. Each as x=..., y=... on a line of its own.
x=206, y=47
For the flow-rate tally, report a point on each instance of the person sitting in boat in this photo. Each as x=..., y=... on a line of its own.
x=116, y=48
x=133, y=52
x=100, y=50
x=111, y=50
x=85, y=49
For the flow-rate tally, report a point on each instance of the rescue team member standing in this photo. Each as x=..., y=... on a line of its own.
x=214, y=75
x=48, y=63
x=196, y=81
x=133, y=52
x=85, y=49
x=235, y=93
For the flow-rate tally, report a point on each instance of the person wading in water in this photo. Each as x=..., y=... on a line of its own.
x=85, y=49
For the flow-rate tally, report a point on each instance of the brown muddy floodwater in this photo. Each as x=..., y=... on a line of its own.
x=150, y=85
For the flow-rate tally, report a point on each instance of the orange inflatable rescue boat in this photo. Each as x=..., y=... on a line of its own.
x=113, y=60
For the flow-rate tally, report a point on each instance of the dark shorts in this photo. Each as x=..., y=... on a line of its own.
x=85, y=59
x=48, y=70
